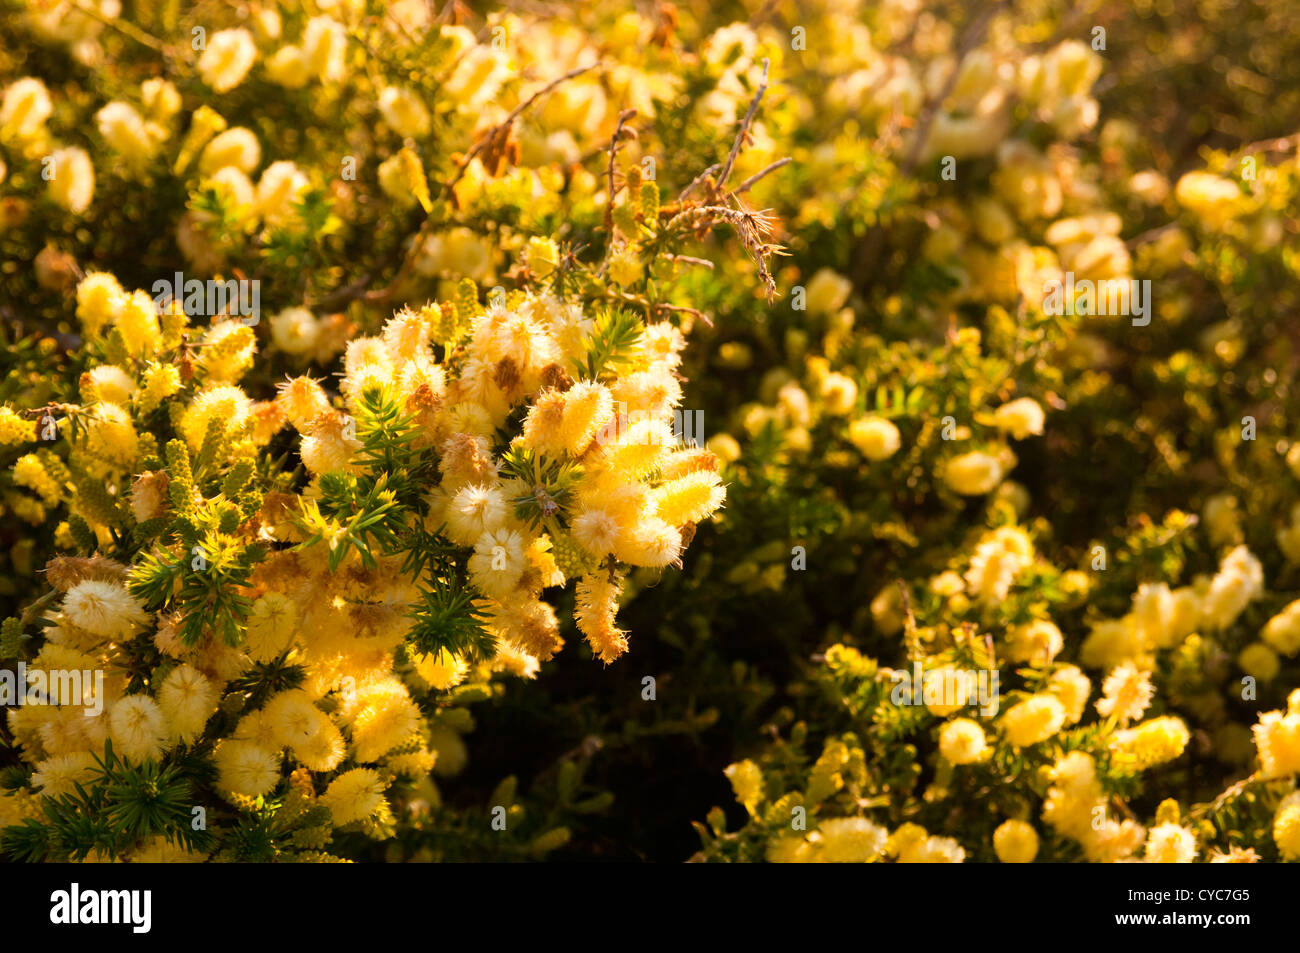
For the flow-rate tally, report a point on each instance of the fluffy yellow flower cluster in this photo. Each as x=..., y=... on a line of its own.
x=856, y=840
x=371, y=720
x=631, y=490
x=1162, y=618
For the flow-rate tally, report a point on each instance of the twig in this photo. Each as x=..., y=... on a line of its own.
x=1224, y=797
x=124, y=27
x=340, y=297
x=974, y=34
x=623, y=118
x=514, y=114
x=1150, y=235
x=697, y=180
x=651, y=306
x=702, y=262
x=1284, y=144
x=753, y=179
x=383, y=295
x=742, y=134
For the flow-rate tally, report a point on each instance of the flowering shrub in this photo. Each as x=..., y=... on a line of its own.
x=995, y=364
x=290, y=590
x=979, y=473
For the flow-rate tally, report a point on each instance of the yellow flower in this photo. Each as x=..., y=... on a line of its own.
x=850, y=840
x=961, y=741
x=596, y=604
x=1033, y=720
x=354, y=795
x=278, y=190
x=973, y=473
x=187, y=698
x=58, y=775
x=625, y=267
x=237, y=148
x=28, y=471
x=640, y=449
x=1126, y=693
x=387, y=718
x=271, y=625
x=104, y=609
x=225, y=404
x=1015, y=842
x=1286, y=827
x=1156, y=741
x=747, y=782
x=125, y=131
x=541, y=256
x=227, y=58
x=303, y=400
x=137, y=320
x=932, y=850
x=403, y=111
x=138, y=728
x=158, y=850
x=588, y=406
x=323, y=46
x=1260, y=661
x=1170, y=844
x=288, y=67
x=107, y=382
x=1214, y=199
x=1113, y=642
x=160, y=98
x=827, y=292
x=325, y=750
x=689, y=499
x=1072, y=687
x=246, y=768
x=228, y=349
x=1239, y=581
x=839, y=394
x=596, y=531
x=15, y=429
x=442, y=669
x=498, y=562
x=24, y=109
x=295, y=331
x=72, y=179
x=875, y=437
x=1037, y=642
x=1282, y=632
x=160, y=382
x=998, y=560
x=1020, y=418
x=790, y=849
x=293, y=718
x=1277, y=739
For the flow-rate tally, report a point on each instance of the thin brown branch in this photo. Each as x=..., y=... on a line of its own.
x=689, y=260
x=383, y=295
x=753, y=179
x=122, y=26
x=695, y=182
x=742, y=135
x=623, y=119
x=970, y=39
